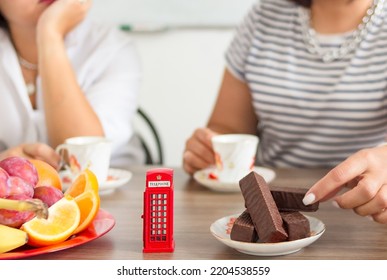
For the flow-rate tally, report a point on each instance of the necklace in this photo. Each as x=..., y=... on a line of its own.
x=350, y=44
x=26, y=64
x=31, y=88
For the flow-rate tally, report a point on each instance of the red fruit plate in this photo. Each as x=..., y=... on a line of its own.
x=101, y=225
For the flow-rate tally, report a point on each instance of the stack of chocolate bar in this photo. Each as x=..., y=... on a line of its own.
x=272, y=214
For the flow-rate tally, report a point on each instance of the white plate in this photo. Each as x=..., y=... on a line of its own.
x=116, y=178
x=222, y=227
x=203, y=178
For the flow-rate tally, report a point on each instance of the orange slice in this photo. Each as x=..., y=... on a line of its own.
x=88, y=204
x=86, y=181
x=63, y=219
x=48, y=176
x=85, y=192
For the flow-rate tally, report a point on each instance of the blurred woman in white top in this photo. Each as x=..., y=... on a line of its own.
x=63, y=76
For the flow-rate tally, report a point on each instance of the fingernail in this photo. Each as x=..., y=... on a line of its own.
x=335, y=204
x=370, y=218
x=309, y=199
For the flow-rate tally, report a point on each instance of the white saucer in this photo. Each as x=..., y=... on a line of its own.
x=203, y=177
x=221, y=228
x=116, y=178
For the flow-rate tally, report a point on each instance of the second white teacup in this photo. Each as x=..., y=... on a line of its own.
x=92, y=152
x=234, y=155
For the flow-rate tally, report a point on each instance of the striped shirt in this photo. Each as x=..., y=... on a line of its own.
x=311, y=113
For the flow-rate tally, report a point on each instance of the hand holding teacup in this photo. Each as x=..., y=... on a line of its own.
x=92, y=152
x=234, y=155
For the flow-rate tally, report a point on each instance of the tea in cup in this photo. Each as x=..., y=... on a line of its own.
x=92, y=152
x=234, y=155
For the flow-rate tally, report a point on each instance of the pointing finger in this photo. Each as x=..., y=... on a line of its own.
x=346, y=171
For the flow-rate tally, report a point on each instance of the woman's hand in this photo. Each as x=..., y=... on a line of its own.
x=198, y=152
x=64, y=100
x=233, y=113
x=34, y=151
x=62, y=16
x=365, y=174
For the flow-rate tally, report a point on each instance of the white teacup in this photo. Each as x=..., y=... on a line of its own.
x=234, y=155
x=92, y=152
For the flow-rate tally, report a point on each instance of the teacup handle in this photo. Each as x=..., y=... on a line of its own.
x=63, y=152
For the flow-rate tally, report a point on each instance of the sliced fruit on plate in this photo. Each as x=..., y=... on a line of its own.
x=86, y=181
x=85, y=192
x=63, y=218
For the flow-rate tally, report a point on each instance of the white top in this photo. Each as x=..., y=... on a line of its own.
x=108, y=71
x=311, y=113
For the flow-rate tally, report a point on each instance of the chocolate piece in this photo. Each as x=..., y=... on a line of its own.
x=290, y=199
x=296, y=225
x=243, y=229
x=262, y=208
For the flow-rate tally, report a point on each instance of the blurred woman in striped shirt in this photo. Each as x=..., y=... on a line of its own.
x=309, y=78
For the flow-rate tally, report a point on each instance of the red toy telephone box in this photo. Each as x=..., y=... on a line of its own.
x=158, y=211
